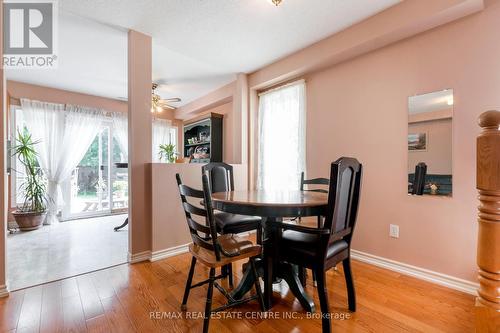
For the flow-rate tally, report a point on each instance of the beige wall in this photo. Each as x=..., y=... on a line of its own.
x=168, y=220
x=19, y=90
x=217, y=97
x=139, y=142
x=359, y=108
x=437, y=156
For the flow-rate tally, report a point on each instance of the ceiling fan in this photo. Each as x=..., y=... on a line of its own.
x=158, y=104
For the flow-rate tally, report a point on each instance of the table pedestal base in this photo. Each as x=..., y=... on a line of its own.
x=285, y=271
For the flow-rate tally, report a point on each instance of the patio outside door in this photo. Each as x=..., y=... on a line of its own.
x=88, y=192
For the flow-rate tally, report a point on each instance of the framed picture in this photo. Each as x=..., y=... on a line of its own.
x=417, y=142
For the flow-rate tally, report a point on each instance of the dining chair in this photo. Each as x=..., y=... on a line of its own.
x=322, y=248
x=311, y=185
x=213, y=250
x=419, y=180
x=221, y=179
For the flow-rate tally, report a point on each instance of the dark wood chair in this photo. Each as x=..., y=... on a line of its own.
x=221, y=178
x=312, y=185
x=213, y=250
x=322, y=248
x=418, y=185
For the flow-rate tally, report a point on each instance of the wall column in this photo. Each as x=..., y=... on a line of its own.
x=240, y=119
x=139, y=144
x=488, y=247
x=3, y=170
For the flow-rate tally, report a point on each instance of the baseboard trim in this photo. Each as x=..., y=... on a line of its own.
x=170, y=252
x=139, y=257
x=417, y=272
x=4, y=292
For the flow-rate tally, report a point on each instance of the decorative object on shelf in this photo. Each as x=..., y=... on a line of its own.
x=434, y=188
x=203, y=139
x=31, y=214
x=201, y=152
x=158, y=104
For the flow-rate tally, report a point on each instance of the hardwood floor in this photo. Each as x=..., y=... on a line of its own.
x=140, y=297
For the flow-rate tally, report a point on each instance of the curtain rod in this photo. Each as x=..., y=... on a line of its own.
x=281, y=86
x=106, y=113
x=17, y=101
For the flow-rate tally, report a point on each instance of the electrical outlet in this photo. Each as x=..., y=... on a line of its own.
x=394, y=231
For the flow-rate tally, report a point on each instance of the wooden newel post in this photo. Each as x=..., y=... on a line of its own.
x=488, y=247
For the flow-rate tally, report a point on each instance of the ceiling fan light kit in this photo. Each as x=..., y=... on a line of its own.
x=275, y=2
x=158, y=104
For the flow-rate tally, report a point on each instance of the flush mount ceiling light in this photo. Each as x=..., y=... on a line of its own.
x=275, y=2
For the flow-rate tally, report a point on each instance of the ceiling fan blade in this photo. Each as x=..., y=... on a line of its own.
x=167, y=106
x=171, y=100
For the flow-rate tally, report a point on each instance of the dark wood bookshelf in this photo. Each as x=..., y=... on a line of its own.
x=203, y=139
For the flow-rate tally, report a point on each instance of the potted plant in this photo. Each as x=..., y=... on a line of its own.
x=31, y=214
x=167, y=151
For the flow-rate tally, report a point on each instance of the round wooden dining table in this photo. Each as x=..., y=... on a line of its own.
x=272, y=206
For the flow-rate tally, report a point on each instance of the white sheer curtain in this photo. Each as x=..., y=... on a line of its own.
x=120, y=127
x=281, y=152
x=64, y=134
x=161, y=135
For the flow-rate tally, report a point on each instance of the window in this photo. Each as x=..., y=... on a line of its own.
x=281, y=156
x=163, y=134
x=173, y=137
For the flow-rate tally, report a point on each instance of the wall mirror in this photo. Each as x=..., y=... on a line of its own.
x=430, y=119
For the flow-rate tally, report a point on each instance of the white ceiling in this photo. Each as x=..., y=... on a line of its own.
x=434, y=101
x=198, y=45
x=92, y=59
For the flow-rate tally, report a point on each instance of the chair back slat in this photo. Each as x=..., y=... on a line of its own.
x=319, y=190
x=220, y=176
x=197, y=226
x=343, y=198
x=205, y=243
x=209, y=241
x=192, y=209
x=313, y=181
x=316, y=181
x=190, y=192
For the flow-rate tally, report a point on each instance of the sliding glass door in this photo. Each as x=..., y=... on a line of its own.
x=87, y=192
x=97, y=186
